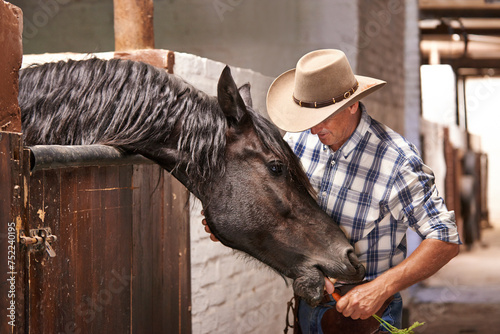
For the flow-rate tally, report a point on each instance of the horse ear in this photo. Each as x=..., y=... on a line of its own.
x=230, y=100
x=245, y=94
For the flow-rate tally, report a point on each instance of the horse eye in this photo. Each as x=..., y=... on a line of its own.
x=276, y=167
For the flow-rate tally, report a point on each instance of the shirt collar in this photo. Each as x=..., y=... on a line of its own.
x=358, y=134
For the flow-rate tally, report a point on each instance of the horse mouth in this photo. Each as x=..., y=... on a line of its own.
x=311, y=285
x=354, y=276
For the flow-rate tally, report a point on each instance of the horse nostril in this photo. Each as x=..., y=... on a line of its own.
x=358, y=266
x=353, y=259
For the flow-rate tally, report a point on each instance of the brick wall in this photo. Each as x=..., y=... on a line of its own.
x=412, y=73
x=381, y=44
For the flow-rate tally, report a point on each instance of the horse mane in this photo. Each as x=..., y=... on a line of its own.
x=136, y=107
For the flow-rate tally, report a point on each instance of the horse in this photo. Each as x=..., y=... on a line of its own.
x=255, y=194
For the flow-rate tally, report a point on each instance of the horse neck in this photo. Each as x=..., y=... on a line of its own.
x=194, y=149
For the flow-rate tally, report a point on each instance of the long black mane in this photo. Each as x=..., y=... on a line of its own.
x=136, y=107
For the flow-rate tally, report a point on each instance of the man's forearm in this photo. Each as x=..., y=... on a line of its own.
x=430, y=256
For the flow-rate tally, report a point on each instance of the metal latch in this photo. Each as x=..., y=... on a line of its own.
x=39, y=239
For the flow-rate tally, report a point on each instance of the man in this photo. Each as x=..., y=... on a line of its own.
x=368, y=178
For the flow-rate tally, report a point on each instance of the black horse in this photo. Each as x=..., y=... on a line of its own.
x=254, y=192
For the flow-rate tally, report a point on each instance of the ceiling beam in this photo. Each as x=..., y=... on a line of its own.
x=457, y=12
x=488, y=32
x=462, y=4
x=457, y=63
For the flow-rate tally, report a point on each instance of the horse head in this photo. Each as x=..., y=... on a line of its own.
x=263, y=204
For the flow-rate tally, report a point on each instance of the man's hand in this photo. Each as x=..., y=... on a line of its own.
x=362, y=301
x=207, y=229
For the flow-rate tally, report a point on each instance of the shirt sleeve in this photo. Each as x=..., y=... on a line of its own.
x=414, y=200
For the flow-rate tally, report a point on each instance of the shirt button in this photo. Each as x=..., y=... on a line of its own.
x=324, y=194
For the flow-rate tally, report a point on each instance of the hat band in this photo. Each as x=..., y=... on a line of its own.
x=329, y=102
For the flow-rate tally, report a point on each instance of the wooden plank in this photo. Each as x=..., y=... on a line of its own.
x=176, y=265
x=181, y=210
x=12, y=261
x=114, y=242
x=48, y=268
x=35, y=202
x=65, y=248
x=161, y=285
x=145, y=221
x=47, y=275
x=99, y=234
x=85, y=216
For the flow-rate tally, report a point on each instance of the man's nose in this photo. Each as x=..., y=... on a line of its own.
x=316, y=129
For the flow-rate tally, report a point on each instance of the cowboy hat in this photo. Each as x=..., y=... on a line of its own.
x=322, y=84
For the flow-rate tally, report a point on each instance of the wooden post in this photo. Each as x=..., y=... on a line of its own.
x=12, y=256
x=11, y=53
x=133, y=24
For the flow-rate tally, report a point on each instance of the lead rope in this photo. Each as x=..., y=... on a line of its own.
x=290, y=306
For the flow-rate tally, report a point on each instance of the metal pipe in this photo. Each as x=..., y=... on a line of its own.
x=43, y=157
x=133, y=23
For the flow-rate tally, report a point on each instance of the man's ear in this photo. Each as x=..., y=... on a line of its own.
x=230, y=100
x=354, y=108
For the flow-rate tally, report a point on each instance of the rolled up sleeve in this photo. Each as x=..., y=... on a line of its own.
x=414, y=201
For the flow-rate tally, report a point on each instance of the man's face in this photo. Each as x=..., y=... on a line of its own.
x=336, y=129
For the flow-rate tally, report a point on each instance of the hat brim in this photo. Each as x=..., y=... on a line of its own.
x=289, y=116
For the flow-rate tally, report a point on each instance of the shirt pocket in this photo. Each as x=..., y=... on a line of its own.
x=358, y=212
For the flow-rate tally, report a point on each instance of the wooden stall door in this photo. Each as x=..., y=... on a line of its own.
x=121, y=260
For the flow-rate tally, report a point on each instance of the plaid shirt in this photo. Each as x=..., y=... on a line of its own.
x=375, y=186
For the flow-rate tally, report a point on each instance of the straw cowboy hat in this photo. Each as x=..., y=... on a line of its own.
x=322, y=84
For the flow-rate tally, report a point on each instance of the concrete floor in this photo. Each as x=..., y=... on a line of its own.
x=464, y=296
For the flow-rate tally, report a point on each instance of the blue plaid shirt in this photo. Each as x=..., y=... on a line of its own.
x=375, y=186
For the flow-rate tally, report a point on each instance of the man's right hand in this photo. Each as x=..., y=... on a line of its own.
x=207, y=229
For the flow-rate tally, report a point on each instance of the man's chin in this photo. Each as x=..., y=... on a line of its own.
x=325, y=139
